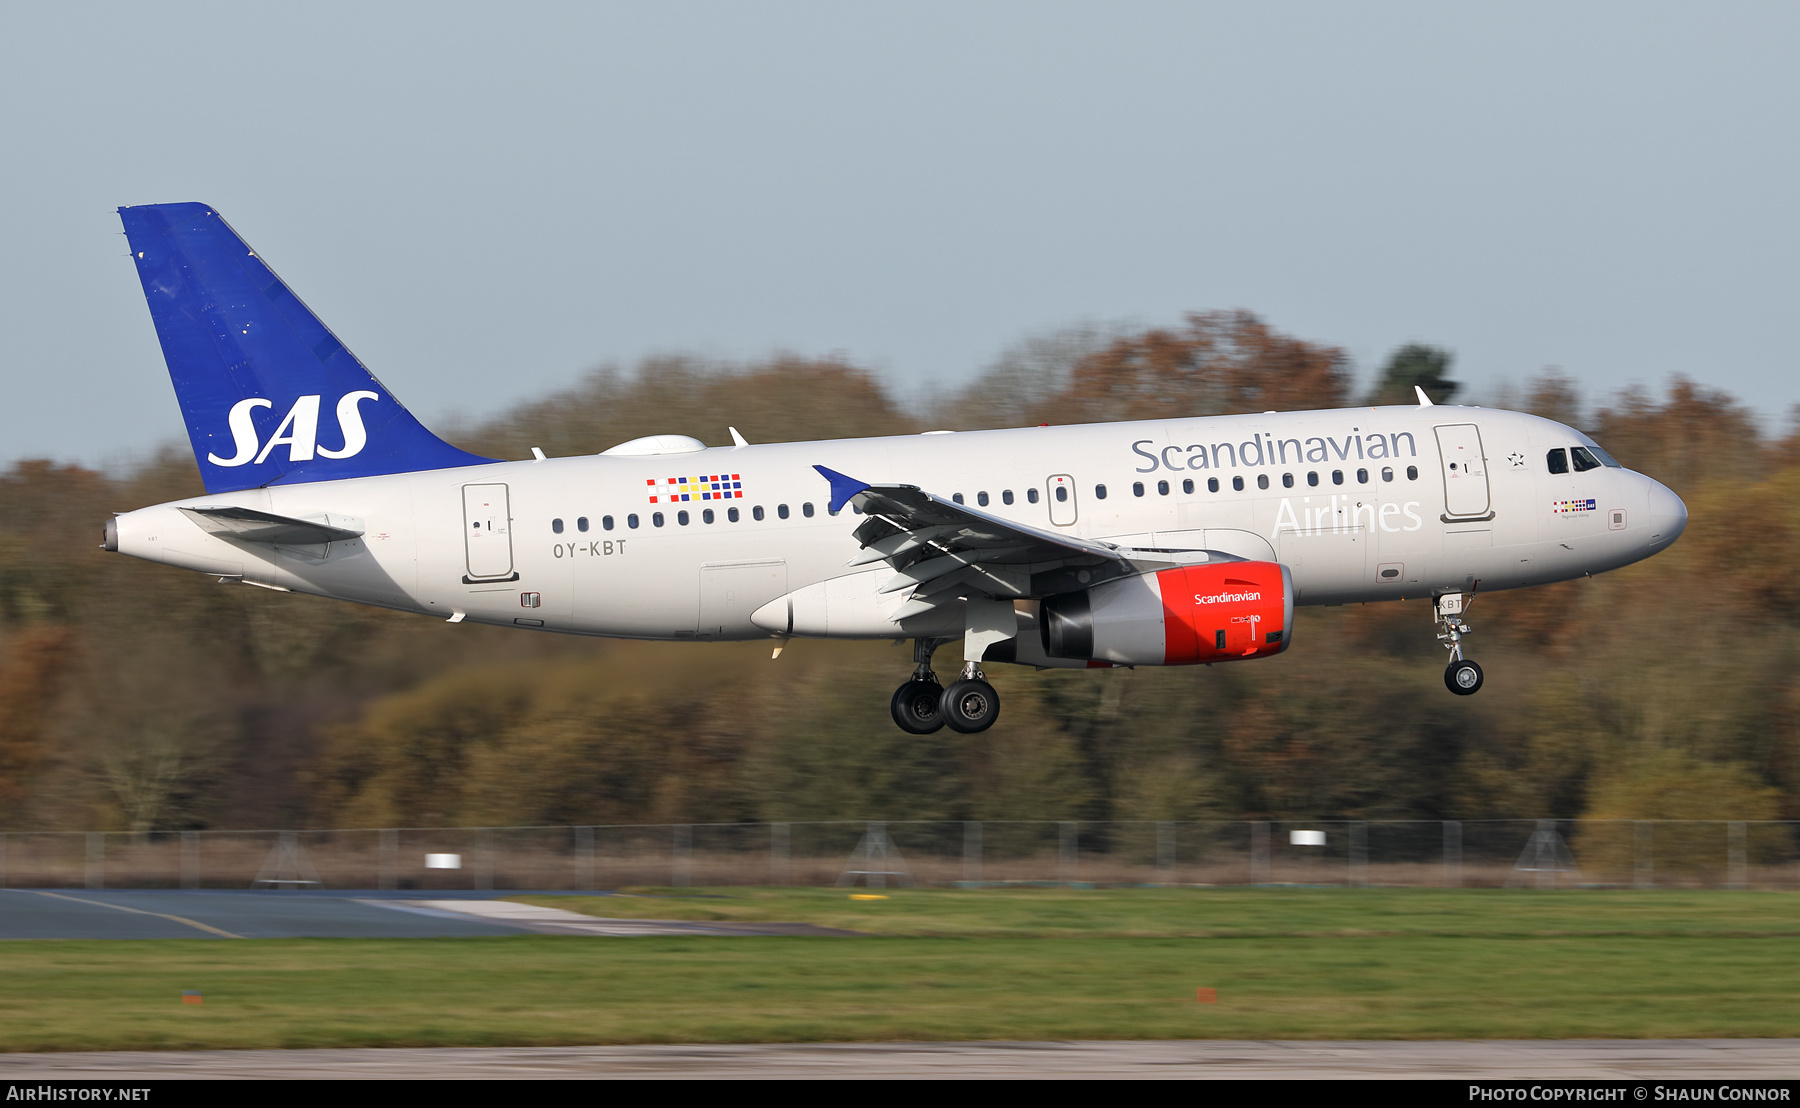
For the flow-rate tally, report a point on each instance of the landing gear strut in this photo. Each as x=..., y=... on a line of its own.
x=1462, y=676
x=916, y=704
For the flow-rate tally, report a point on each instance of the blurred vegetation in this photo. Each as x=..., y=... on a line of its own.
x=137, y=696
x=954, y=965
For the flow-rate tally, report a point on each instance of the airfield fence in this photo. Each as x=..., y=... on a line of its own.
x=1441, y=853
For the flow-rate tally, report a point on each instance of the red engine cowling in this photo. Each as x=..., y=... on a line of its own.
x=1175, y=617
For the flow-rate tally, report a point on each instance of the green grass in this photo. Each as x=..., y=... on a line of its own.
x=1012, y=964
x=1219, y=913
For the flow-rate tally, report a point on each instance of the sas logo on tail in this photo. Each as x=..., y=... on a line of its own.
x=298, y=431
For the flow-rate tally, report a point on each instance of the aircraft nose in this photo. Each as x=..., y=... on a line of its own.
x=1668, y=516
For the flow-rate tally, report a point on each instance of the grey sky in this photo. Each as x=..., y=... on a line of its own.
x=485, y=201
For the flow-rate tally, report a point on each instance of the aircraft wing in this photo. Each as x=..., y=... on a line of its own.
x=944, y=551
x=250, y=525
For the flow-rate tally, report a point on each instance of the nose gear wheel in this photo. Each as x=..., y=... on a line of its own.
x=1463, y=677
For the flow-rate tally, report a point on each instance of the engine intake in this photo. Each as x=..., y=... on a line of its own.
x=1175, y=617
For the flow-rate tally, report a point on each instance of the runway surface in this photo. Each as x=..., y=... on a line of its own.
x=293, y=914
x=1737, y=1060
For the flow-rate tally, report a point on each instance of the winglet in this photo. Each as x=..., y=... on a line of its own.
x=1424, y=401
x=842, y=487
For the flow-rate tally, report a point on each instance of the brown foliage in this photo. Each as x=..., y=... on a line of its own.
x=783, y=399
x=36, y=662
x=1694, y=435
x=1218, y=363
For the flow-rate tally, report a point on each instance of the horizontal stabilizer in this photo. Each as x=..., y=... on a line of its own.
x=250, y=525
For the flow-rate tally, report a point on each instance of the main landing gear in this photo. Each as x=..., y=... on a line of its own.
x=922, y=705
x=1462, y=676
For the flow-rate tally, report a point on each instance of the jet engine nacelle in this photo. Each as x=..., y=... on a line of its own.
x=1175, y=617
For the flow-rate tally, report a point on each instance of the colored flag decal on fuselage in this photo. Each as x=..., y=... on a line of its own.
x=1564, y=507
x=679, y=490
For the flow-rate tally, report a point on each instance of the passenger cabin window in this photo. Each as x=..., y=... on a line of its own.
x=1557, y=461
x=656, y=519
x=1337, y=476
x=981, y=499
x=706, y=516
x=1287, y=480
x=756, y=513
x=631, y=521
x=1362, y=476
x=1412, y=473
x=781, y=510
x=1237, y=484
x=581, y=524
x=1187, y=486
x=1387, y=473
x=681, y=517
x=1162, y=488
x=732, y=514
x=1212, y=484
x=1062, y=493
x=806, y=509
x=1583, y=460
x=1031, y=496
x=1137, y=489
x=957, y=496
x=556, y=526
x=1313, y=478
x=1262, y=480
x=1006, y=496
x=606, y=523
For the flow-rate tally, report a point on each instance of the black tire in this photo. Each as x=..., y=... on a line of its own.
x=970, y=706
x=915, y=707
x=1463, y=678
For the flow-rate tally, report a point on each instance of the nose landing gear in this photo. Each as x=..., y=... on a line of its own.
x=1462, y=676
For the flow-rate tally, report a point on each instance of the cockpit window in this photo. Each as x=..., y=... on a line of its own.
x=1606, y=459
x=1584, y=461
x=1557, y=461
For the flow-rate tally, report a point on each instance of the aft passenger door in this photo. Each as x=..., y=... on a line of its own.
x=487, y=534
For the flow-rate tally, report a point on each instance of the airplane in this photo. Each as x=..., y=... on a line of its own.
x=1158, y=542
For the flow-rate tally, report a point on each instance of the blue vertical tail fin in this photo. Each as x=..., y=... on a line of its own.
x=269, y=394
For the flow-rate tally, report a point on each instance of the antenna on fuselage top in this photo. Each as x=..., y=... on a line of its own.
x=1424, y=401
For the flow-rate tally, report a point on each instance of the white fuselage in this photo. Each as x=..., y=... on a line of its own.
x=1362, y=504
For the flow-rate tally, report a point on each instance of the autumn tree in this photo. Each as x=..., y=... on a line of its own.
x=1217, y=363
x=1426, y=367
